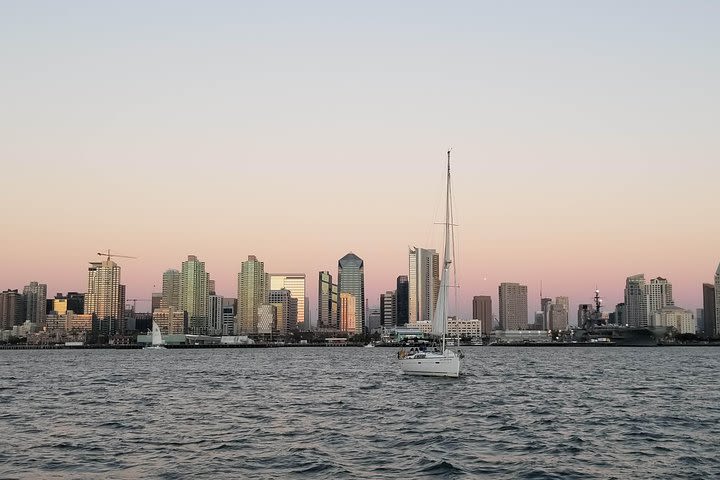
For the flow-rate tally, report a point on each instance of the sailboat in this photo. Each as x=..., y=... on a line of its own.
x=443, y=363
x=157, y=341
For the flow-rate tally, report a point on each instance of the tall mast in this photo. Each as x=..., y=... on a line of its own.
x=446, y=254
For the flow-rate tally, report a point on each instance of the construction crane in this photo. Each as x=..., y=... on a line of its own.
x=108, y=255
x=135, y=300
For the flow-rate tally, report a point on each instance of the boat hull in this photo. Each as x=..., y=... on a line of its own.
x=445, y=365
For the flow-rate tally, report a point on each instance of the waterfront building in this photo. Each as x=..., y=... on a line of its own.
x=35, y=299
x=513, y=306
x=170, y=289
x=60, y=304
x=699, y=321
x=716, y=330
x=558, y=315
x=658, y=294
x=374, y=321
x=709, y=313
x=482, y=310
x=540, y=321
x=423, y=283
x=388, y=309
x=287, y=310
x=583, y=314
x=211, y=286
x=170, y=320
x=11, y=309
x=105, y=297
x=325, y=300
x=671, y=316
x=295, y=284
x=351, y=280
x=268, y=318
x=155, y=301
x=348, y=312
x=194, y=294
x=228, y=306
x=620, y=315
x=215, y=314
x=455, y=327
x=635, y=301
x=252, y=292
x=402, y=288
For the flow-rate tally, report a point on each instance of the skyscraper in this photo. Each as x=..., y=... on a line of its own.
x=560, y=313
x=388, y=306
x=348, y=312
x=215, y=314
x=709, y=310
x=482, y=310
x=252, y=292
x=103, y=298
x=11, y=309
x=287, y=310
x=717, y=301
x=423, y=283
x=35, y=298
x=171, y=289
x=635, y=301
x=658, y=294
x=351, y=280
x=194, y=294
x=401, y=301
x=513, y=306
x=295, y=284
x=325, y=300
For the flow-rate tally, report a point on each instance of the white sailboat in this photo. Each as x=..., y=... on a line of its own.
x=443, y=363
x=157, y=341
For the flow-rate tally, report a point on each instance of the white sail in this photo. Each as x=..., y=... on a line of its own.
x=156, y=335
x=440, y=316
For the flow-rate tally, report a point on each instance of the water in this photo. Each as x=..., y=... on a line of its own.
x=348, y=413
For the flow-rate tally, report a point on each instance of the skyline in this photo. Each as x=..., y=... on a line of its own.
x=583, y=142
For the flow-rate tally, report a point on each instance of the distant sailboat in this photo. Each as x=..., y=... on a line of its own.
x=444, y=363
x=157, y=341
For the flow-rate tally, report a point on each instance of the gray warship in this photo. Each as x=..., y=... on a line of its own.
x=596, y=330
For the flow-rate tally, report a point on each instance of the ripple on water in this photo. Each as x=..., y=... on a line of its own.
x=277, y=413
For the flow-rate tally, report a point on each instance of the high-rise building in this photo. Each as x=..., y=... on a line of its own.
x=60, y=304
x=171, y=321
x=335, y=306
x=423, y=284
x=215, y=315
x=374, y=320
x=211, y=286
x=709, y=312
x=287, y=310
x=351, y=279
x=104, y=298
x=544, y=324
x=295, y=284
x=558, y=314
x=401, y=300
x=670, y=316
x=171, y=289
x=252, y=292
x=717, y=301
x=636, y=301
x=76, y=302
x=482, y=310
x=11, y=309
x=35, y=298
x=228, y=306
x=388, y=306
x=658, y=294
x=324, y=300
x=348, y=312
x=513, y=306
x=268, y=317
x=699, y=321
x=155, y=301
x=194, y=294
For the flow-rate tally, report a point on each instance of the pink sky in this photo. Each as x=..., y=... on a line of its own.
x=584, y=137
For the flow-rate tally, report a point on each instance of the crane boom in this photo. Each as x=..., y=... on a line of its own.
x=108, y=255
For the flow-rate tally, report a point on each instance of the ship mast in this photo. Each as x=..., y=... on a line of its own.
x=446, y=254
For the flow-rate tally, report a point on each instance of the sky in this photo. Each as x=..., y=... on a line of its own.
x=584, y=139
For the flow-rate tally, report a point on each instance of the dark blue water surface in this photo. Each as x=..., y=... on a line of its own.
x=348, y=413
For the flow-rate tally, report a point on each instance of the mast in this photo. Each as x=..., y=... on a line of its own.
x=446, y=254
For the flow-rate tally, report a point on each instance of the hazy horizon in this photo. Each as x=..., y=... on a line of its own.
x=584, y=141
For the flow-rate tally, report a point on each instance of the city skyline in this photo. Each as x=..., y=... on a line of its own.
x=583, y=139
